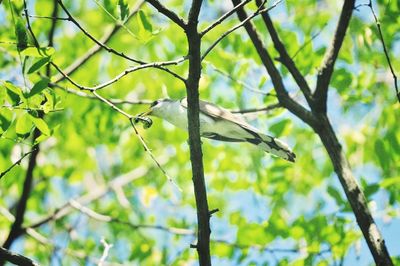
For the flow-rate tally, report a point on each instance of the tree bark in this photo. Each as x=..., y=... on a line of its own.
x=196, y=154
x=353, y=192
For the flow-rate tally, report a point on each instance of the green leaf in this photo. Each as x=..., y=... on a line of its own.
x=38, y=64
x=5, y=119
x=38, y=52
x=144, y=22
x=41, y=125
x=39, y=86
x=334, y=193
x=13, y=92
x=24, y=125
x=392, y=181
x=279, y=127
x=123, y=9
x=381, y=153
x=20, y=32
x=341, y=79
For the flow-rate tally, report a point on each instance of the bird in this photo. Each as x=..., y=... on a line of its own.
x=220, y=124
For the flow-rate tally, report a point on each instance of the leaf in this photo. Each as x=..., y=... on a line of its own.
x=5, y=119
x=24, y=125
x=123, y=9
x=341, y=79
x=39, y=86
x=144, y=22
x=334, y=193
x=278, y=128
x=13, y=92
x=41, y=125
x=38, y=64
x=381, y=153
x=38, y=52
x=22, y=36
x=391, y=181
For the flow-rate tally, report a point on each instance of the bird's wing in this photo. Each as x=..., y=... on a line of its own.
x=217, y=112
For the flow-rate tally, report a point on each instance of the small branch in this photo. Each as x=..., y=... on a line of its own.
x=168, y=13
x=106, y=250
x=96, y=48
x=15, y=258
x=107, y=48
x=16, y=163
x=245, y=85
x=327, y=67
x=223, y=17
x=260, y=10
x=48, y=17
x=122, y=74
x=378, y=25
x=308, y=42
x=89, y=96
x=258, y=110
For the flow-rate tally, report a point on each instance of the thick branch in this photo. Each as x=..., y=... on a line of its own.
x=284, y=98
x=15, y=258
x=326, y=70
x=353, y=192
x=196, y=154
x=284, y=57
x=168, y=13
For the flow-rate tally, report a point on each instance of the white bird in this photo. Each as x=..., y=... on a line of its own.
x=218, y=123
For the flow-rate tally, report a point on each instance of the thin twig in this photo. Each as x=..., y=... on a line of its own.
x=260, y=10
x=378, y=25
x=308, y=41
x=122, y=74
x=258, y=110
x=245, y=85
x=107, y=48
x=223, y=17
x=48, y=17
x=16, y=163
x=89, y=96
x=106, y=250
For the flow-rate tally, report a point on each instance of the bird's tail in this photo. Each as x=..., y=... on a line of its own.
x=275, y=146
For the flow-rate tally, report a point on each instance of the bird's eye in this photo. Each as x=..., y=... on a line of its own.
x=154, y=103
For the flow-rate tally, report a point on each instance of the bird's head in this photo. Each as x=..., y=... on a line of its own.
x=158, y=107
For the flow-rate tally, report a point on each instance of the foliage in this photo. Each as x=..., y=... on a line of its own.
x=270, y=211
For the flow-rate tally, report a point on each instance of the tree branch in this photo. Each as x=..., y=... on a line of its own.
x=96, y=48
x=196, y=154
x=353, y=192
x=378, y=25
x=260, y=10
x=15, y=258
x=327, y=67
x=168, y=13
x=284, y=98
x=285, y=59
x=16, y=163
x=223, y=17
